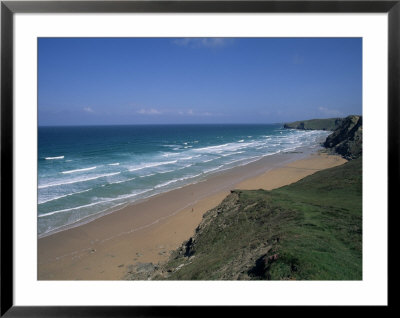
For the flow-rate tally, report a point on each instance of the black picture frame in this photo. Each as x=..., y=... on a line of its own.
x=8, y=8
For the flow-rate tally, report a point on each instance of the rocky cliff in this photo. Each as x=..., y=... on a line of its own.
x=346, y=140
x=315, y=124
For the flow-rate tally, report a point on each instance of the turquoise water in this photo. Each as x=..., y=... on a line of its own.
x=88, y=171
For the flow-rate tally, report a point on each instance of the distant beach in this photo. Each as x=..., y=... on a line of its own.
x=146, y=231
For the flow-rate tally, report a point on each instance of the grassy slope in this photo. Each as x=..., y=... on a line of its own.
x=315, y=124
x=313, y=227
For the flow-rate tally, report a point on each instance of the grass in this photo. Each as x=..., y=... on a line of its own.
x=310, y=230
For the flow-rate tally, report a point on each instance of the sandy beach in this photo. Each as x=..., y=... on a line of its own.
x=148, y=231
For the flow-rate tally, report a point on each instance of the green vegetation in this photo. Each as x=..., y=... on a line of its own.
x=311, y=229
x=316, y=124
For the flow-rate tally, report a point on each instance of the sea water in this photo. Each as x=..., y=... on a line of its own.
x=86, y=171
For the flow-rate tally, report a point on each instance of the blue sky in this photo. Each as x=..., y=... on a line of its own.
x=105, y=81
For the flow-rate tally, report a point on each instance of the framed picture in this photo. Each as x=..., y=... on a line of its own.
x=196, y=153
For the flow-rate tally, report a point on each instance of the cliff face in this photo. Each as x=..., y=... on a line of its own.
x=346, y=140
x=315, y=124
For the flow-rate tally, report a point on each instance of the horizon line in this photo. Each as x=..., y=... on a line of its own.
x=160, y=124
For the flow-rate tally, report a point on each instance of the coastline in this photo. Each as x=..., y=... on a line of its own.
x=148, y=230
x=254, y=168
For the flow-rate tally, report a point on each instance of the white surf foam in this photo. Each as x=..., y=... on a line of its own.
x=122, y=181
x=155, y=164
x=54, y=158
x=95, y=203
x=77, y=180
x=213, y=169
x=78, y=170
x=63, y=196
x=234, y=146
x=148, y=175
x=166, y=171
x=176, y=180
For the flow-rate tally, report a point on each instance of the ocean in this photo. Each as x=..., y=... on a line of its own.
x=87, y=171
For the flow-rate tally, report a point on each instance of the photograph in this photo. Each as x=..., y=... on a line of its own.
x=199, y=158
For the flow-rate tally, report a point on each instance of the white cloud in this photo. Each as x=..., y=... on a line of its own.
x=183, y=112
x=203, y=42
x=88, y=110
x=150, y=111
x=186, y=112
x=191, y=112
x=330, y=112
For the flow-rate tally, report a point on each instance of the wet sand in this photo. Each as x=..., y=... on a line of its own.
x=149, y=230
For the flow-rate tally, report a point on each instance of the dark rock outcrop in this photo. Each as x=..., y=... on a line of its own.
x=346, y=140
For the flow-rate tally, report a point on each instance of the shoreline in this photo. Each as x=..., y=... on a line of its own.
x=300, y=152
x=147, y=231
